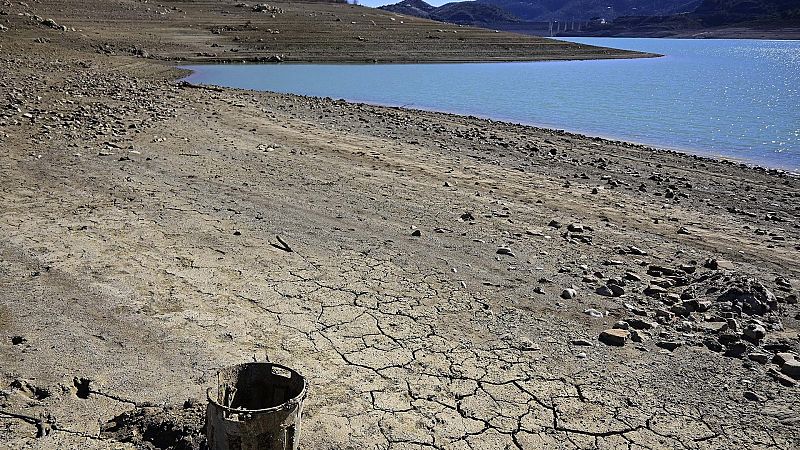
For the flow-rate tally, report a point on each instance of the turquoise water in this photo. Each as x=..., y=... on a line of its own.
x=736, y=99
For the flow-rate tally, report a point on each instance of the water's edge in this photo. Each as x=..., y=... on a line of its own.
x=689, y=152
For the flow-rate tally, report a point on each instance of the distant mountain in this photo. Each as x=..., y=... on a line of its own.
x=583, y=10
x=652, y=18
x=727, y=12
x=709, y=16
x=416, y=8
x=472, y=13
x=462, y=13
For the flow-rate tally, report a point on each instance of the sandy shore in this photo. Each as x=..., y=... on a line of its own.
x=454, y=282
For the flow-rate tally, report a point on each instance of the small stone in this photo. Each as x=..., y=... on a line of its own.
x=654, y=291
x=711, y=264
x=753, y=397
x=636, y=310
x=594, y=313
x=755, y=332
x=605, y=291
x=581, y=342
x=761, y=358
x=636, y=251
x=581, y=355
x=668, y=345
x=554, y=224
x=630, y=276
x=506, y=251
x=714, y=327
x=683, y=230
x=713, y=345
x=781, y=358
x=782, y=379
x=703, y=305
x=640, y=324
x=575, y=228
x=416, y=233
x=621, y=325
x=568, y=294
x=614, y=336
x=791, y=368
x=736, y=350
x=467, y=217
x=526, y=345
x=616, y=290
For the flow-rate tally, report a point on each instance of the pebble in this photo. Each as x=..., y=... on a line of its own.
x=568, y=294
x=654, y=291
x=506, y=251
x=594, y=313
x=575, y=228
x=753, y=397
x=668, y=345
x=581, y=342
x=755, y=332
x=621, y=325
x=639, y=324
x=761, y=358
x=605, y=291
x=791, y=368
x=614, y=336
x=782, y=357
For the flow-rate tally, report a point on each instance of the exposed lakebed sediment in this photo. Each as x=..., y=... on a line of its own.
x=454, y=282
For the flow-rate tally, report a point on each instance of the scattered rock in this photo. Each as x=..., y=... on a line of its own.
x=605, y=291
x=753, y=397
x=669, y=345
x=654, y=291
x=568, y=294
x=761, y=358
x=781, y=358
x=575, y=228
x=594, y=313
x=755, y=332
x=614, y=336
x=791, y=368
x=506, y=251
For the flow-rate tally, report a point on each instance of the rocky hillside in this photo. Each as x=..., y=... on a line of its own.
x=462, y=13
x=725, y=12
x=709, y=18
x=547, y=10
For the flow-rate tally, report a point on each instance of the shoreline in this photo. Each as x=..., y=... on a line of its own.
x=454, y=282
x=689, y=152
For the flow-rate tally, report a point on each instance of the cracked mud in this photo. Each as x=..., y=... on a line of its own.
x=447, y=286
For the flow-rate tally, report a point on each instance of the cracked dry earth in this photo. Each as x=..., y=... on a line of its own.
x=423, y=299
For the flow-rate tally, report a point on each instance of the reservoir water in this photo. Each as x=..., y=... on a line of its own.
x=736, y=99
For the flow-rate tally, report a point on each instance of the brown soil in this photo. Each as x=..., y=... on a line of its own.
x=138, y=217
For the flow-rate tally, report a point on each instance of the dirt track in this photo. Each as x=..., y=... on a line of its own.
x=136, y=223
